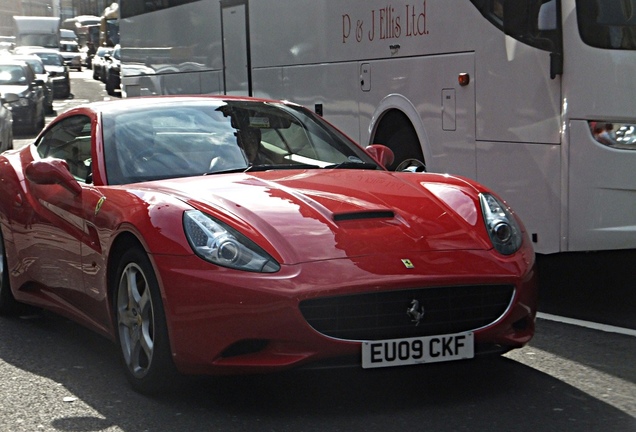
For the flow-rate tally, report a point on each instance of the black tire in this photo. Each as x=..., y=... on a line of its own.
x=140, y=324
x=8, y=303
x=110, y=85
x=397, y=133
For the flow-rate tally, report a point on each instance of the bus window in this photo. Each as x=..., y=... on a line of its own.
x=608, y=23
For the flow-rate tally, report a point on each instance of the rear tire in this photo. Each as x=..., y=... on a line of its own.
x=8, y=303
x=141, y=325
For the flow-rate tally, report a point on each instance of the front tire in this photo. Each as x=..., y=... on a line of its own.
x=141, y=325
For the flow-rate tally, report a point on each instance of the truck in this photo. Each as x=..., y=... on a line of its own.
x=37, y=31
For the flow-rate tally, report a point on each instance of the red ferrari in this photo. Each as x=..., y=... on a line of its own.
x=219, y=235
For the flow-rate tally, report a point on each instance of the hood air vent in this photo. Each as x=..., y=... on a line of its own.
x=381, y=214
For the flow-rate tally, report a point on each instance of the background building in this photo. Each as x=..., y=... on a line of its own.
x=62, y=8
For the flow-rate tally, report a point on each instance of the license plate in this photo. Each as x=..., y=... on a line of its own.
x=429, y=349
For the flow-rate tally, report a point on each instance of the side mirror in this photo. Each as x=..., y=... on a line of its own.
x=10, y=98
x=52, y=171
x=517, y=16
x=381, y=153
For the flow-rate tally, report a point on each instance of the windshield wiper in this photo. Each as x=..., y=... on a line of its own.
x=253, y=168
x=353, y=165
x=226, y=171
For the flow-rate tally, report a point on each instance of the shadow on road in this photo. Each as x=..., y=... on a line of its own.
x=484, y=395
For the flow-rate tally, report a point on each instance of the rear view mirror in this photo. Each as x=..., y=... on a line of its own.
x=10, y=98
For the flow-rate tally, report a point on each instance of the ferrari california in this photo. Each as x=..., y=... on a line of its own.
x=226, y=235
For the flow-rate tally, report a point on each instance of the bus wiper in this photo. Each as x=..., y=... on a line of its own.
x=353, y=165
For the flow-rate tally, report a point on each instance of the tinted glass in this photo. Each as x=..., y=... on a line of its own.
x=183, y=139
x=12, y=75
x=607, y=24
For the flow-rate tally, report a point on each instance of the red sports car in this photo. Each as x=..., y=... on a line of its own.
x=220, y=235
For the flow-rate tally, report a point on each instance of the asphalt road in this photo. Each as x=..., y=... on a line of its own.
x=574, y=376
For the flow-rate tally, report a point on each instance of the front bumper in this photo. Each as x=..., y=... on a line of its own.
x=223, y=321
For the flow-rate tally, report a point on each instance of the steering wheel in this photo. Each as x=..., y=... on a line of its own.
x=150, y=160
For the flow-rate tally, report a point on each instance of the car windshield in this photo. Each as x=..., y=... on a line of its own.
x=50, y=59
x=67, y=47
x=181, y=139
x=36, y=65
x=12, y=75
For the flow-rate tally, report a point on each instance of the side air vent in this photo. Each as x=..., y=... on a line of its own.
x=383, y=214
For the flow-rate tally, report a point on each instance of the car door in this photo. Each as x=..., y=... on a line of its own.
x=57, y=227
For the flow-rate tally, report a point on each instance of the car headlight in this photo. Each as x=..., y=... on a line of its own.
x=220, y=244
x=503, y=229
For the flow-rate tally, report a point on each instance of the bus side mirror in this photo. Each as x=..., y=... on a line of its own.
x=516, y=18
x=537, y=25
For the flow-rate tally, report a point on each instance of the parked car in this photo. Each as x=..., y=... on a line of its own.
x=227, y=235
x=112, y=71
x=69, y=50
x=6, y=121
x=98, y=63
x=18, y=78
x=54, y=65
x=40, y=73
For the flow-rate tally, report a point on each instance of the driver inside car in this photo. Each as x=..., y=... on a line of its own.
x=249, y=139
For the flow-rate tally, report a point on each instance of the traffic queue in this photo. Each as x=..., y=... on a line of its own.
x=31, y=77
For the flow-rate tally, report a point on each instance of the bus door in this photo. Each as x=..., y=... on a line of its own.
x=237, y=77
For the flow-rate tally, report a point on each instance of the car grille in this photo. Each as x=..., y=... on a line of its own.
x=384, y=315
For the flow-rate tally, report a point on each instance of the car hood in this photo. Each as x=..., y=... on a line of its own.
x=20, y=90
x=327, y=214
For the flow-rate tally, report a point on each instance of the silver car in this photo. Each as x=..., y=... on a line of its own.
x=6, y=121
x=40, y=73
x=70, y=51
x=18, y=78
x=54, y=65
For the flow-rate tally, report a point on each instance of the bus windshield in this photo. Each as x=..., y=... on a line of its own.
x=609, y=24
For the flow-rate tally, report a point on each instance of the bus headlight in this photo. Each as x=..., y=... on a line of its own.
x=617, y=135
x=220, y=244
x=503, y=229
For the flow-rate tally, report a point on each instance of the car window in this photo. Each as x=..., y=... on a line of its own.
x=12, y=75
x=70, y=139
x=51, y=59
x=36, y=65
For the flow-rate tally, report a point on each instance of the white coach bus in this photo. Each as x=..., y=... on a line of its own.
x=534, y=98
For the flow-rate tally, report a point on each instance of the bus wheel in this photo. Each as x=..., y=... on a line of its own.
x=397, y=133
x=412, y=165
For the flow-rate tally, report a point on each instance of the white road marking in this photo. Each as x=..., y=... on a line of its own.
x=587, y=324
x=607, y=388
